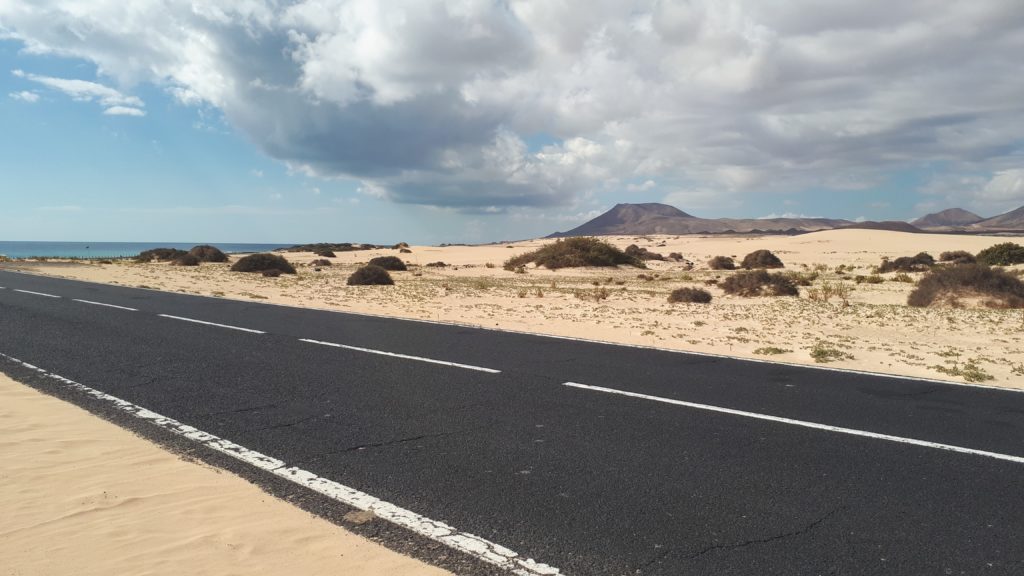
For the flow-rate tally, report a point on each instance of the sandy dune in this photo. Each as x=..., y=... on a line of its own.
x=82, y=496
x=874, y=330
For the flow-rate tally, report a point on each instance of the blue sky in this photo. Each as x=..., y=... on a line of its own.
x=296, y=122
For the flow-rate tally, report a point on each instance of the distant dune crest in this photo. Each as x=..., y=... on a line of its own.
x=654, y=218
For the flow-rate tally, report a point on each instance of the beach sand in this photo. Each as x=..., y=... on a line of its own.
x=873, y=330
x=82, y=496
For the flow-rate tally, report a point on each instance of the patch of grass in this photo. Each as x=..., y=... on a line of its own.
x=370, y=275
x=1005, y=254
x=263, y=262
x=691, y=295
x=722, y=263
x=969, y=371
x=759, y=283
x=771, y=351
x=903, y=277
x=393, y=263
x=824, y=352
x=597, y=294
x=946, y=285
x=574, y=253
x=759, y=259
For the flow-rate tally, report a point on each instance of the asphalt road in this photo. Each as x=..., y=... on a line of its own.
x=588, y=480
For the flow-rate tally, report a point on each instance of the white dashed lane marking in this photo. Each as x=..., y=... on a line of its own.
x=803, y=423
x=211, y=323
x=36, y=293
x=107, y=305
x=403, y=356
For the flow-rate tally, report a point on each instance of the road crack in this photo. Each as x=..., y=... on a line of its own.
x=768, y=539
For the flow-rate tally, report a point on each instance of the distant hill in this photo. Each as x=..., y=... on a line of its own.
x=653, y=218
x=891, y=225
x=947, y=219
x=1010, y=221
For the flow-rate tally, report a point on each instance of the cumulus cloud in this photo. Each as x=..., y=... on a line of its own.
x=25, y=96
x=433, y=102
x=124, y=111
x=115, y=102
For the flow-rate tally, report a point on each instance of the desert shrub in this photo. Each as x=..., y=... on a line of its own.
x=802, y=279
x=695, y=295
x=957, y=257
x=206, y=253
x=404, y=251
x=160, y=255
x=574, y=253
x=437, y=264
x=400, y=245
x=326, y=254
x=761, y=259
x=721, y=263
x=185, y=260
x=642, y=253
x=272, y=273
x=597, y=294
x=825, y=352
x=771, y=351
x=320, y=262
x=948, y=284
x=903, y=277
x=261, y=262
x=370, y=275
x=676, y=256
x=873, y=279
x=759, y=283
x=393, y=263
x=1004, y=254
x=919, y=263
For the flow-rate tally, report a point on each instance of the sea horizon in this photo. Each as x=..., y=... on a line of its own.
x=54, y=249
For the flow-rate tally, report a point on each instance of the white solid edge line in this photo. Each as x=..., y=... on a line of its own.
x=405, y=356
x=36, y=293
x=571, y=338
x=805, y=424
x=464, y=542
x=211, y=323
x=107, y=305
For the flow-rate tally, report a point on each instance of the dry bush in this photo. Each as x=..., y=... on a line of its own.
x=957, y=257
x=574, y=253
x=873, y=279
x=393, y=263
x=320, y=262
x=160, y=255
x=262, y=262
x=948, y=285
x=921, y=262
x=721, y=263
x=597, y=294
x=370, y=275
x=694, y=295
x=272, y=273
x=759, y=283
x=207, y=253
x=1005, y=254
x=326, y=254
x=802, y=278
x=437, y=264
x=185, y=260
x=642, y=253
x=761, y=259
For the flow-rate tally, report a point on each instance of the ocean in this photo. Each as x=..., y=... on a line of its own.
x=113, y=249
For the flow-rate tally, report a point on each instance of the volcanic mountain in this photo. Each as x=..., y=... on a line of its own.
x=947, y=218
x=1012, y=221
x=652, y=218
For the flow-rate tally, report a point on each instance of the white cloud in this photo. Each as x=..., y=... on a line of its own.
x=124, y=111
x=25, y=96
x=433, y=102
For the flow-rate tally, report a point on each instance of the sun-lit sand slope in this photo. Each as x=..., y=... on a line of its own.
x=81, y=496
x=875, y=326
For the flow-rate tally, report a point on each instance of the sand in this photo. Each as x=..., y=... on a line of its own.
x=872, y=330
x=82, y=496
